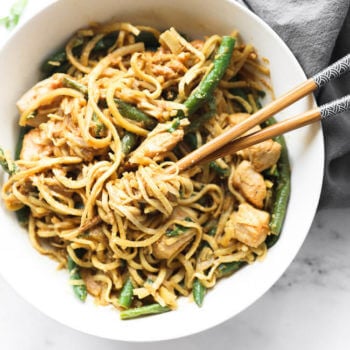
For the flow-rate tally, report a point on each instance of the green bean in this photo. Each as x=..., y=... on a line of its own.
x=227, y=269
x=128, y=141
x=99, y=126
x=198, y=292
x=58, y=61
x=126, y=109
x=197, y=122
x=239, y=92
x=11, y=168
x=23, y=213
x=282, y=191
x=23, y=130
x=126, y=294
x=79, y=290
x=261, y=93
x=191, y=140
x=212, y=226
x=149, y=39
x=73, y=84
x=55, y=61
x=208, y=84
x=143, y=311
x=174, y=125
x=131, y=112
x=106, y=42
x=198, y=289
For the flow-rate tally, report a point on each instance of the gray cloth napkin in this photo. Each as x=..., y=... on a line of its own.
x=318, y=33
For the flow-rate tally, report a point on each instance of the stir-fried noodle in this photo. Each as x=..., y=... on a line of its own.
x=96, y=169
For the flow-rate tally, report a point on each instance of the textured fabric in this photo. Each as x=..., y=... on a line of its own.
x=318, y=33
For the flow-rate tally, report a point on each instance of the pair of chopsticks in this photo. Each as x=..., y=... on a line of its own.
x=231, y=140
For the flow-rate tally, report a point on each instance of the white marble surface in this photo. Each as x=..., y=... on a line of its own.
x=308, y=308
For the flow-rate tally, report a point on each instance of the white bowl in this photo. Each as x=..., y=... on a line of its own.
x=35, y=277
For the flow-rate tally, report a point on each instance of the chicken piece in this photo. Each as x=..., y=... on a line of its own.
x=250, y=183
x=263, y=155
x=237, y=118
x=248, y=225
x=93, y=287
x=159, y=141
x=36, y=145
x=38, y=90
x=167, y=247
x=41, y=88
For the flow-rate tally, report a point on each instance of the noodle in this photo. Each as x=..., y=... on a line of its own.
x=120, y=215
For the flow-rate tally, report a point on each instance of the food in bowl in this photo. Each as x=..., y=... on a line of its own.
x=95, y=177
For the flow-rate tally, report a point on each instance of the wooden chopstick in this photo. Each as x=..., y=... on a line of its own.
x=320, y=79
x=325, y=111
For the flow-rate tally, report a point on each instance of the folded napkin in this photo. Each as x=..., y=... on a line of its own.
x=318, y=33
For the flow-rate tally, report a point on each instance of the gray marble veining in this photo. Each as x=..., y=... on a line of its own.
x=323, y=259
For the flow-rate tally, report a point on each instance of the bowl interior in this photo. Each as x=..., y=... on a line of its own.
x=35, y=277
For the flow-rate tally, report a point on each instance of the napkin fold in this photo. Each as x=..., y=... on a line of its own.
x=318, y=33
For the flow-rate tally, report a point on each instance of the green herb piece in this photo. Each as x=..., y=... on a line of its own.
x=178, y=229
x=221, y=171
x=8, y=165
x=15, y=14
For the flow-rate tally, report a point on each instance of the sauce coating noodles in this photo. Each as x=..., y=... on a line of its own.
x=97, y=168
